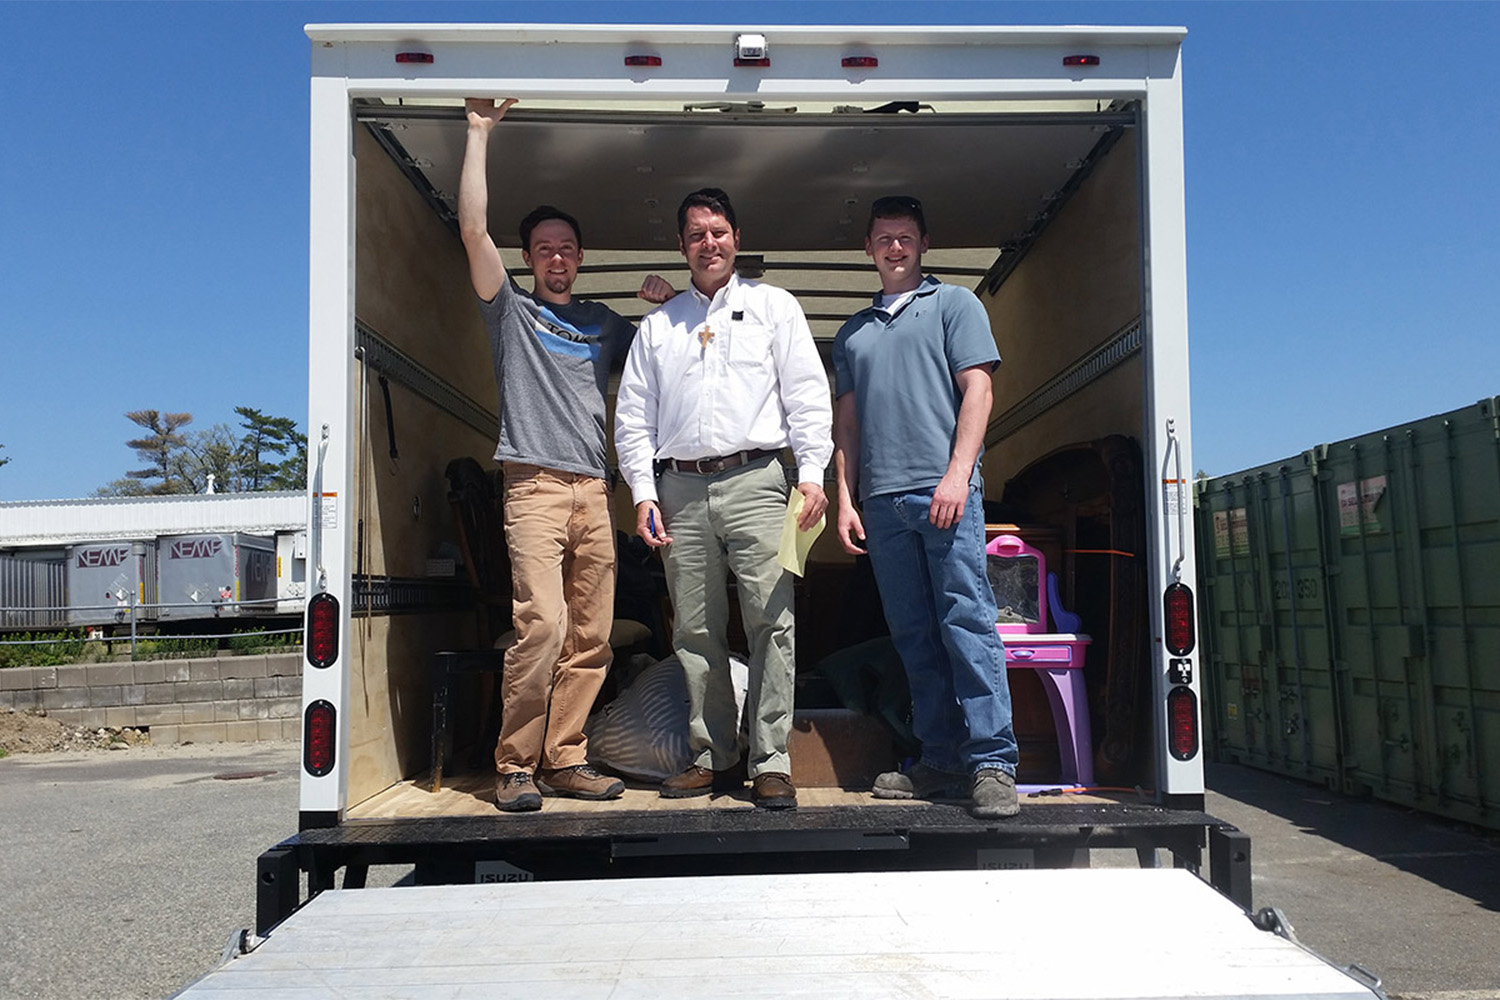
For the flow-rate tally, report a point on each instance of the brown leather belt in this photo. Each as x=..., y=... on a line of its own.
x=714, y=466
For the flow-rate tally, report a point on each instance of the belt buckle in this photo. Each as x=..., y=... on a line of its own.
x=698, y=464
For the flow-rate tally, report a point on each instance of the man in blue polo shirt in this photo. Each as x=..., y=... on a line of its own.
x=913, y=392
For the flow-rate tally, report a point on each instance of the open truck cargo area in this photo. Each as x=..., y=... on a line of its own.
x=1049, y=162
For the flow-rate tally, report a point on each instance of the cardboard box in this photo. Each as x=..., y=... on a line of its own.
x=837, y=748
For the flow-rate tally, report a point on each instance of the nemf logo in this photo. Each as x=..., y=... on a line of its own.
x=195, y=548
x=114, y=555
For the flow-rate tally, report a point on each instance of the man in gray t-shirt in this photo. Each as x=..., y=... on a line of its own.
x=912, y=399
x=552, y=357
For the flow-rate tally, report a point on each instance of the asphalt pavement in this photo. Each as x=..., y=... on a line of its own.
x=126, y=872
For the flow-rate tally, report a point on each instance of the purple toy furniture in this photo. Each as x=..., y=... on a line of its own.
x=1018, y=574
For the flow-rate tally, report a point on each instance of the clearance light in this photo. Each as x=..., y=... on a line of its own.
x=318, y=730
x=643, y=60
x=322, y=630
x=1179, y=619
x=860, y=62
x=1182, y=723
x=1080, y=60
x=414, y=57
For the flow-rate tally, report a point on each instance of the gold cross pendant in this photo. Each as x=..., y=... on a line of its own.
x=704, y=336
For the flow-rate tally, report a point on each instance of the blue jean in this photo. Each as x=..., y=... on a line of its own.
x=941, y=612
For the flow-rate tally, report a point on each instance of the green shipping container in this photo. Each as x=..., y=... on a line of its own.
x=1351, y=614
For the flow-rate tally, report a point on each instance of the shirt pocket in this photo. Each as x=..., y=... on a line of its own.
x=750, y=345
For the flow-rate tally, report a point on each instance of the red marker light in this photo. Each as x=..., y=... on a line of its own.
x=1178, y=605
x=322, y=630
x=318, y=732
x=414, y=57
x=1182, y=723
x=1080, y=60
x=860, y=62
x=763, y=61
x=643, y=60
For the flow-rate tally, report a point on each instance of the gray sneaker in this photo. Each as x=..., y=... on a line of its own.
x=515, y=792
x=921, y=782
x=994, y=795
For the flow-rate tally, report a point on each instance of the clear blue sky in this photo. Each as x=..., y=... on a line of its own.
x=1343, y=209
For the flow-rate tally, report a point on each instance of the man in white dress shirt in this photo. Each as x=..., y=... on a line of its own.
x=719, y=380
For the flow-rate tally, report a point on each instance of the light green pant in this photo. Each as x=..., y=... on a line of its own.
x=723, y=523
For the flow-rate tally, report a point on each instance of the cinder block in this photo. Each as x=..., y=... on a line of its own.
x=24, y=701
x=110, y=674
x=243, y=667
x=158, y=715
x=255, y=708
x=285, y=708
x=150, y=672
x=122, y=717
x=194, y=712
x=268, y=729
x=227, y=711
x=291, y=729
x=44, y=677
x=68, y=697
x=284, y=664
x=241, y=732
x=289, y=687
x=106, y=697
x=17, y=679
x=203, y=670
x=166, y=735
x=164, y=693
x=133, y=694
x=176, y=670
x=201, y=733
x=72, y=677
x=70, y=716
x=239, y=687
x=187, y=691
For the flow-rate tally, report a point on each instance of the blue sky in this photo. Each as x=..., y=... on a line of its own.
x=1343, y=210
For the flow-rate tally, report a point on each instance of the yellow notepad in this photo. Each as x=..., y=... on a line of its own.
x=796, y=544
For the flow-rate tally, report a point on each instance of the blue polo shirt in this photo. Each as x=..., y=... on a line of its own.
x=902, y=369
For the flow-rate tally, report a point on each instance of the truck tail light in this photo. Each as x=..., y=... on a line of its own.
x=1179, y=619
x=1182, y=723
x=860, y=62
x=1080, y=60
x=424, y=58
x=322, y=630
x=643, y=60
x=319, y=729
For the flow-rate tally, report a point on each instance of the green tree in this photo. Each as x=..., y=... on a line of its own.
x=267, y=436
x=159, y=449
x=211, y=452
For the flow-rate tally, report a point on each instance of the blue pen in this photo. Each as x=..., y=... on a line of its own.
x=651, y=522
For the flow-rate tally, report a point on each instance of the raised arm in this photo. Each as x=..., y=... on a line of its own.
x=486, y=270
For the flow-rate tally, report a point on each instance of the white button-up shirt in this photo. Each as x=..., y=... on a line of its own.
x=710, y=377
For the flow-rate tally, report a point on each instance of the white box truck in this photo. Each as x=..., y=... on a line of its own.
x=1050, y=163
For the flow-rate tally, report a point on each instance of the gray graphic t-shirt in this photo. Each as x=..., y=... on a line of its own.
x=552, y=368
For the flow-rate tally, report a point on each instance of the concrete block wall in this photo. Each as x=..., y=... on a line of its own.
x=230, y=699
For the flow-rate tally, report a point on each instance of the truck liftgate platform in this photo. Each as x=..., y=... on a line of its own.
x=612, y=840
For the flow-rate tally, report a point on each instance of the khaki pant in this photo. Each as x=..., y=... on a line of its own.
x=562, y=554
x=731, y=521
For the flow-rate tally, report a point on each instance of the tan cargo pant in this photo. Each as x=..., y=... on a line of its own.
x=560, y=533
x=731, y=522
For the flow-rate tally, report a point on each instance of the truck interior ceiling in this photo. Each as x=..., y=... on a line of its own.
x=1035, y=206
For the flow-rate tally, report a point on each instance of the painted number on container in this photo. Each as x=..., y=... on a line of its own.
x=1307, y=589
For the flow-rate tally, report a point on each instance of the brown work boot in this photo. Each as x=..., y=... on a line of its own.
x=694, y=781
x=580, y=782
x=771, y=790
x=514, y=792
